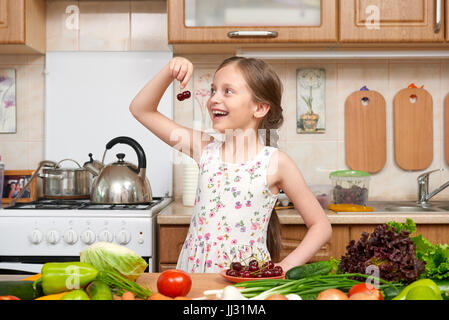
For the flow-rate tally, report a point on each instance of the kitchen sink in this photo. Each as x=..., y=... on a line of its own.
x=412, y=209
x=409, y=206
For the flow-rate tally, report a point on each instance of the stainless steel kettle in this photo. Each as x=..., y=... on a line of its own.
x=120, y=182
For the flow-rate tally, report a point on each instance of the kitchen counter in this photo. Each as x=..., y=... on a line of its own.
x=177, y=213
x=200, y=282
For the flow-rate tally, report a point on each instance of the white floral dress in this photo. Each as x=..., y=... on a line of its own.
x=232, y=209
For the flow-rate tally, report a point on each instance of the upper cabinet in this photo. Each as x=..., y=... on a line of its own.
x=252, y=21
x=365, y=21
x=22, y=26
x=447, y=20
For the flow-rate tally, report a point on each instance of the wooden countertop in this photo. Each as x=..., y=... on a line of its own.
x=177, y=213
x=200, y=282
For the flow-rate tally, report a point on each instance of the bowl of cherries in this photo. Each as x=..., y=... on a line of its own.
x=238, y=272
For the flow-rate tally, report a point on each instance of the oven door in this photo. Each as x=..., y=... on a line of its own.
x=33, y=264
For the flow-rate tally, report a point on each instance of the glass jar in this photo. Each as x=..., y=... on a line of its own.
x=350, y=186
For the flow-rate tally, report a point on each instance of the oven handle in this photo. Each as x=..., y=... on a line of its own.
x=28, y=267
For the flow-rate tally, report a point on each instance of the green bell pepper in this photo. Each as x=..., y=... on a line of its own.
x=419, y=283
x=64, y=276
x=79, y=294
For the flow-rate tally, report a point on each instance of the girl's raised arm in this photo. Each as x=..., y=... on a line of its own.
x=144, y=109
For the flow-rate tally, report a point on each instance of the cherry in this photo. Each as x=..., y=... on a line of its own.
x=186, y=94
x=237, y=266
x=253, y=263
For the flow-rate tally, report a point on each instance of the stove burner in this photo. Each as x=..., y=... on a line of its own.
x=84, y=204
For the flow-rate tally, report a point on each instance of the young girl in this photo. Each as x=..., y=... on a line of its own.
x=241, y=174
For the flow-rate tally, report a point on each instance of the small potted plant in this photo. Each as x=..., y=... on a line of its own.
x=310, y=80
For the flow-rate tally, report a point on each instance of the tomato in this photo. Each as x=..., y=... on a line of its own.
x=9, y=298
x=174, y=283
x=367, y=289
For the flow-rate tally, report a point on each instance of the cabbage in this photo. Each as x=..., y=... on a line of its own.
x=113, y=257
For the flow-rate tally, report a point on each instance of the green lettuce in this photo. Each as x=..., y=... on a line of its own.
x=112, y=257
x=436, y=256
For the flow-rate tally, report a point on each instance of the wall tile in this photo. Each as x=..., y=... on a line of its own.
x=149, y=26
x=104, y=25
x=14, y=154
x=62, y=25
x=314, y=160
x=34, y=103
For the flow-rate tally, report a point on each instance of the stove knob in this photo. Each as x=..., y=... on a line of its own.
x=106, y=235
x=36, y=236
x=88, y=237
x=53, y=237
x=70, y=237
x=123, y=237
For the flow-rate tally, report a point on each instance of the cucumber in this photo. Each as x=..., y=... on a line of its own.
x=98, y=290
x=23, y=290
x=309, y=270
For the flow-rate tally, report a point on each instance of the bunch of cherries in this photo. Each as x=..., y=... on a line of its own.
x=254, y=270
x=183, y=95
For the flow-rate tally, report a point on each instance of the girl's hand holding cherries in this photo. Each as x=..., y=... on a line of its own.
x=181, y=69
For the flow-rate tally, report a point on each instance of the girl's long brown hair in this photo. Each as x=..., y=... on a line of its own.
x=266, y=88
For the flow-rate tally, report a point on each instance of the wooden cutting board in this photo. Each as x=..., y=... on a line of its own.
x=413, y=129
x=365, y=131
x=446, y=128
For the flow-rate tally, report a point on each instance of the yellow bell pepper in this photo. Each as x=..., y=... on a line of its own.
x=347, y=207
x=56, y=296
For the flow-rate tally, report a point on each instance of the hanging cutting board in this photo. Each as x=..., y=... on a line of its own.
x=365, y=131
x=446, y=129
x=413, y=129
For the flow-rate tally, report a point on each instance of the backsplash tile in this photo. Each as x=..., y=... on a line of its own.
x=104, y=25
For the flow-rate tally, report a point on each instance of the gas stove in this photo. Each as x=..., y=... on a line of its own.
x=50, y=230
x=81, y=204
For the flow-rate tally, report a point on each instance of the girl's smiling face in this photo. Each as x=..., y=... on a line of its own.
x=231, y=104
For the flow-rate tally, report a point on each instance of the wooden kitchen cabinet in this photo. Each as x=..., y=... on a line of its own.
x=205, y=21
x=22, y=26
x=292, y=235
x=435, y=233
x=383, y=21
x=447, y=20
x=171, y=239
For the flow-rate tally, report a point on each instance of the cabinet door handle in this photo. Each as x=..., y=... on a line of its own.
x=257, y=34
x=439, y=13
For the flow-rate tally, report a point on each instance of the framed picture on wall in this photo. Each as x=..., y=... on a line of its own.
x=311, y=100
x=7, y=101
x=14, y=181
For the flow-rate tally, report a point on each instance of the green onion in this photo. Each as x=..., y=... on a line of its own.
x=113, y=279
x=311, y=286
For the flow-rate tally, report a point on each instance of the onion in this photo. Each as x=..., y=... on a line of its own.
x=332, y=294
x=276, y=297
x=364, y=296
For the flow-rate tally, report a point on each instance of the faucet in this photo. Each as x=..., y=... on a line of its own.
x=423, y=188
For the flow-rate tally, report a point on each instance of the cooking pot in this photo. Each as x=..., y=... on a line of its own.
x=120, y=182
x=66, y=183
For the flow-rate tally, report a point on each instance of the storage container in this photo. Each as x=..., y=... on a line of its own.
x=350, y=186
x=322, y=193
